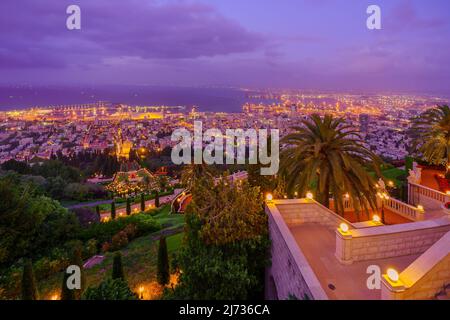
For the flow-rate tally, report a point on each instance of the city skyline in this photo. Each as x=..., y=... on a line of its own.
x=322, y=45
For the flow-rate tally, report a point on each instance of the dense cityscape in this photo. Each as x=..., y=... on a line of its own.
x=42, y=132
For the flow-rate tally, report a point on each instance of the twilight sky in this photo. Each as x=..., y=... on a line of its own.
x=312, y=44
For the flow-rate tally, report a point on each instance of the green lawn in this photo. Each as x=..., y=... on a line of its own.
x=394, y=174
x=168, y=220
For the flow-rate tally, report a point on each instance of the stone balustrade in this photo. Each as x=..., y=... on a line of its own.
x=389, y=241
x=404, y=209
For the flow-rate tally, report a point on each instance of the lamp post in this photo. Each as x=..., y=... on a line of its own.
x=384, y=195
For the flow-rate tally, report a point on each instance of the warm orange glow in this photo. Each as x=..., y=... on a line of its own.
x=392, y=275
x=376, y=218
x=309, y=196
x=420, y=207
x=344, y=227
x=269, y=197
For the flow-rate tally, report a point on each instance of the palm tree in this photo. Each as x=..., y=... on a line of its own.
x=431, y=136
x=327, y=156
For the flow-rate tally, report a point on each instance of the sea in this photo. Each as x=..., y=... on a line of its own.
x=214, y=99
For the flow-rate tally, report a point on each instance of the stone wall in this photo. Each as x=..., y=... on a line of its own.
x=289, y=274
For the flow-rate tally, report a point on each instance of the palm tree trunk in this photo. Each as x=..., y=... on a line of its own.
x=324, y=198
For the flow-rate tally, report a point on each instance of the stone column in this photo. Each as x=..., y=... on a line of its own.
x=343, y=247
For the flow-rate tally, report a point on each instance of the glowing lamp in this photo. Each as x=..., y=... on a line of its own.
x=269, y=197
x=296, y=193
x=54, y=297
x=309, y=196
x=344, y=227
x=448, y=192
x=347, y=196
x=376, y=218
x=141, y=289
x=420, y=207
x=391, y=183
x=392, y=275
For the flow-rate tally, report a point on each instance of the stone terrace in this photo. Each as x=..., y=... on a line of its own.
x=310, y=258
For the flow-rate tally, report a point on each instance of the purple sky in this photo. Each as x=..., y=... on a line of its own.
x=313, y=44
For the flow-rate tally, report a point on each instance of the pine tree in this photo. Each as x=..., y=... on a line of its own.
x=128, y=206
x=29, y=290
x=142, y=202
x=163, y=263
x=113, y=210
x=156, y=199
x=117, y=272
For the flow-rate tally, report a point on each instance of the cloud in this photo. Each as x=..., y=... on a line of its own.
x=404, y=17
x=38, y=37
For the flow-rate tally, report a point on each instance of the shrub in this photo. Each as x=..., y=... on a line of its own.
x=119, y=241
x=111, y=289
x=46, y=266
x=106, y=247
x=91, y=248
x=86, y=216
x=131, y=230
x=103, y=232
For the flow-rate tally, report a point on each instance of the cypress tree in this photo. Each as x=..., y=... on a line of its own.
x=117, y=271
x=142, y=202
x=163, y=272
x=97, y=210
x=156, y=199
x=128, y=206
x=29, y=290
x=113, y=210
x=75, y=294
x=66, y=293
